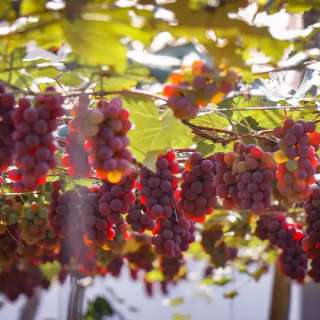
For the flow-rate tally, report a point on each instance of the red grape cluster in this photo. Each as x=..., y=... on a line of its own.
x=287, y=236
x=75, y=215
x=197, y=196
x=255, y=175
x=216, y=248
x=115, y=199
x=190, y=89
x=138, y=219
x=170, y=267
x=34, y=145
x=173, y=235
x=7, y=103
x=10, y=210
x=84, y=125
x=34, y=222
x=311, y=242
x=8, y=250
x=158, y=189
x=108, y=150
x=142, y=258
x=312, y=210
x=15, y=281
x=297, y=158
x=225, y=180
x=76, y=157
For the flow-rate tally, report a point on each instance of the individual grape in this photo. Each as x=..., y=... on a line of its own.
x=108, y=152
x=198, y=194
x=173, y=235
x=34, y=144
x=297, y=159
x=7, y=103
x=158, y=188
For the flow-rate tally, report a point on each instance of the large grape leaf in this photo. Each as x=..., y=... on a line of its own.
x=153, y=132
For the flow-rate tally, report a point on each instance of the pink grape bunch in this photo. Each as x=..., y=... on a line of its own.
x=7, y=103
x=108, y=148
x=138, y=219
x=158, y=188
x=296, y=158
x=311, y=243
x=84, y=125
x=34, y=144
x=255, y=171
x=173, y=235
x=116, y=199
x=197, y=195
x=225, y=180
x=287, y=236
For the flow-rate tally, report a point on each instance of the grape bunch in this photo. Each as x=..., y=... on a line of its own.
x=84, y=125
x=297, y=159
x=311, y=242
x=75, y=158
x=197, y=195
x=116, y=199
x=16, y=281
x=8, y=250
x=108, y=152
x=170, y=267
x=190, y=88
x=34, y=222
x=7, y=103
x=34, y=145
x=142, y=258
x=75, y=214
x=312, y=210
x=10, y=209
x=138, y=219
x=255, y=171
x=158, y=188
x=173, y=235
x=287, y=236
x=215, y=247
x=225, y=180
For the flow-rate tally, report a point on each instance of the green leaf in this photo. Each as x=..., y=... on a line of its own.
x=153, y=132
x=231, y=294
x=29, y=7
x=173, y=302
x=96, y=42
x=179, y=316
x=98, y=309
x=50, y=270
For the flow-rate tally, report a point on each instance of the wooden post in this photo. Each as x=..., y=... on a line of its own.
x=76, y=299
x=281, y=294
